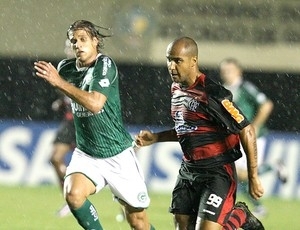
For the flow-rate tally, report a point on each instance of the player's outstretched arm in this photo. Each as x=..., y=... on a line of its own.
x=92, y=101
x=145, y=137
x=248, y=140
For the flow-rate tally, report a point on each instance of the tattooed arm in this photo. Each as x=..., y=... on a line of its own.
x=248, y=140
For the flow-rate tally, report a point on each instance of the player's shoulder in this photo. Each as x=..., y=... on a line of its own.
x=106, y=70
x=210, y=81
x=175, y=86
x=216, y=89
x=66, y=63
x=105, y=61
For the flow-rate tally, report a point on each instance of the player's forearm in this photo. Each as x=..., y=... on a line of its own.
x=169, y=135
x=263, y=114
x=92, y=101
x=248, y=140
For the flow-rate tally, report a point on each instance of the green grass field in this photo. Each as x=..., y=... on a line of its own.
x=34, y=208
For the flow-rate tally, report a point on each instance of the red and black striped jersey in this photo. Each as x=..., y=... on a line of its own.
x=207, y=123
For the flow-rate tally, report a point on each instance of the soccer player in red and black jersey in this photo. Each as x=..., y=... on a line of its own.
x=209, y=128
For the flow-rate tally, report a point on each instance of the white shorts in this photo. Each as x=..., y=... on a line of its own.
x=242, y=162
x=122, y=173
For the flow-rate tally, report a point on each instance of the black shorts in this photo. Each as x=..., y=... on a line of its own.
x=66, y=133
x=207, y=193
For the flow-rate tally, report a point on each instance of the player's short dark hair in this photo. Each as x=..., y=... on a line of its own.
x=91, y=29
x=189, y=44
x=231, y=60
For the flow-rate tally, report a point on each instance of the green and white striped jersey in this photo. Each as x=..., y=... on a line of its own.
x=99, y=135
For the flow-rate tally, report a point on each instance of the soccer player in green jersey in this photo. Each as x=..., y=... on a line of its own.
x=257, y=108
x=104, y=153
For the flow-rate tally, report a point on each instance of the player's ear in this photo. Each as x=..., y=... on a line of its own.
x=95, y=41
x=194, y=61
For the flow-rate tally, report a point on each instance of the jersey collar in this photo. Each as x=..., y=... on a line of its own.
x=86, y=67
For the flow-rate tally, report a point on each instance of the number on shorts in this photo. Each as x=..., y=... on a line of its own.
x=214, y=200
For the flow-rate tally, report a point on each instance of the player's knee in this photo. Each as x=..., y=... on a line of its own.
x=181, y=220
x=77, y=187
x=54, y=160
x=137, y=224
x=75, y=197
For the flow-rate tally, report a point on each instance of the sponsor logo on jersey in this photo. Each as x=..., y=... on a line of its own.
x=94, y=212
x=234, y=112
x=104, y=83
x=106, y=64
x=79, y=111
x=180, y=125
x=77, y=107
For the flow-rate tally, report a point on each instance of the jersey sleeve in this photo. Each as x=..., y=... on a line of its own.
x=257, y=96
x=63, y=68
x=104, y=76
x=222, y=109
x=61, y=64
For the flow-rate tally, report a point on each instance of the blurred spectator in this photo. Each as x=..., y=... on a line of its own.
x=257, y=108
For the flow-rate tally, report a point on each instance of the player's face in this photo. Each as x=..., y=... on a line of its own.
x=84, y=46
x=229, y=73
x=179, y=64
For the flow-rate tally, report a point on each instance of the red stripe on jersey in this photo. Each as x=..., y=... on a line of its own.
x=192, y=119
x=212, y=150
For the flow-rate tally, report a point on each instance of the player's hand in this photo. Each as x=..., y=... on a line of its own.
x=255, y=188
x=48, y=72
x=145, y=138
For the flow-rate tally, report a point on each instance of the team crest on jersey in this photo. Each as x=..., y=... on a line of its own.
x=234, y=112
x=142, y=197
x=193, y=105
